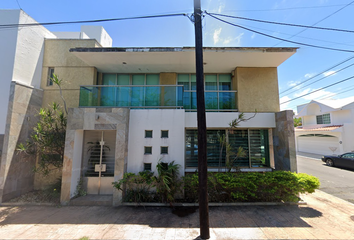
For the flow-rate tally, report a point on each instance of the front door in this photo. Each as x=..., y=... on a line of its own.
x=98, y=161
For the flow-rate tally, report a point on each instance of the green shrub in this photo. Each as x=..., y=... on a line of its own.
x=222, y=187
x=251, y=187
x=138, y=187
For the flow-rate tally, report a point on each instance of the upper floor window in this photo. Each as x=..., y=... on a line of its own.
x=323, y=119
x=218, y=82
x=50, y=76
x=218, y=92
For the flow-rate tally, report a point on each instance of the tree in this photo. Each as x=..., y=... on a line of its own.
x=47, y=142
x=297, y=122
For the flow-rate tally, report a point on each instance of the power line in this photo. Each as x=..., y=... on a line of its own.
x=284, y=9
x=90, y=21
x=338, y=93
x=318, y=89
x=18, y=4
x=319, y=21
x=317, y=75
x=288, y=34
x=285, y=24
x=285, y=40
x=322, y=78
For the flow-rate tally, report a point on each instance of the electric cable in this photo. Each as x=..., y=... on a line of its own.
x=303, y=30
x=330, y=74
x=344, y=80
x=336, y=65
x=288, y=34
x=285, y=40
x=285, y=24
x=285, y=9
x=18, y=4
x=90, y=21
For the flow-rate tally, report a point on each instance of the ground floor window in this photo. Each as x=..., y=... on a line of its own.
x=254, y=142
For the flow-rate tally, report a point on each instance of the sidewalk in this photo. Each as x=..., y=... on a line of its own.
x=325, y=217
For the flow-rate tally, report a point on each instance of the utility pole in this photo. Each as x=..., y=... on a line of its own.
x=202, y=138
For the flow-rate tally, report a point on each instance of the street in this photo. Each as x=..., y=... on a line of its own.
x=336, y=181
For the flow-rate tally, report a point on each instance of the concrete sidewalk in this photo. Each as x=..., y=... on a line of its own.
x=325, y=217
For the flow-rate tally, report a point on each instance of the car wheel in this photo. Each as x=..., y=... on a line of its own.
x=329, y=162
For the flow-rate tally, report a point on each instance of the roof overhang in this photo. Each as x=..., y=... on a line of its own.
x=181, y=60
x=333, y=128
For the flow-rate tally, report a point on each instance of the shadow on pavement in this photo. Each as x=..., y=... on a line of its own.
x=160, y=217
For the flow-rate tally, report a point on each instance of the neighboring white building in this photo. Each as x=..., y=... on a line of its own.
x=327, y=126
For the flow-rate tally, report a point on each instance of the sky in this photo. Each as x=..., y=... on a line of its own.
x=308, y=63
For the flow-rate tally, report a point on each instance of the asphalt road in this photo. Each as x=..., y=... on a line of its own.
x=335, y=181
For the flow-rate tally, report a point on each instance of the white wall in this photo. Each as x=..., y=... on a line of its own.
x=29, y=52
x=222, y=120
x=309, y=120
x=70, y=35
x=340, y=117
x=155, y=120
x=98, y=33
x=21, y=56
x=8, y=40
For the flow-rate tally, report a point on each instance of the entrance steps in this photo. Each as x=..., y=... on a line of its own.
x=93, y=200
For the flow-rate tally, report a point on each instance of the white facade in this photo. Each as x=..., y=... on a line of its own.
x=88, y=32
x=334, y=137
x=176, y=121
x=172, y=120
x=21, y=55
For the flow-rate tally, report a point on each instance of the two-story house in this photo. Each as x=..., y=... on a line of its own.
x=327, y=126
x=132, y=107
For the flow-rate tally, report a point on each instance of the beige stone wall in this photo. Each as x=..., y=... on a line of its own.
x=257, y=88
x=168, y=78
x=16, y=175
x=72, y=70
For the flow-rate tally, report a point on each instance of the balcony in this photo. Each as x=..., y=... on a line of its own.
x=154, y=96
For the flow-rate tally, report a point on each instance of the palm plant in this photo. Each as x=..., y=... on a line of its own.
x=167, y=182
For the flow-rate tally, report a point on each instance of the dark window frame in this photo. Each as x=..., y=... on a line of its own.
x=50, y=76
x=146, y=152
x=146, y=131
x=164, y=148
x=162, y=133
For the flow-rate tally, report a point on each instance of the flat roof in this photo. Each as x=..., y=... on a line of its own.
x=180, y=59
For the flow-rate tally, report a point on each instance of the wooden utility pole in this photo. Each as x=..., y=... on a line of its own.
x=202, y=139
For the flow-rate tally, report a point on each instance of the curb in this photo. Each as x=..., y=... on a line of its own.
x=143, y=204
x=27, y=204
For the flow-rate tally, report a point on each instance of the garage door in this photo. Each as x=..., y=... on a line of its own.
x=318, y=143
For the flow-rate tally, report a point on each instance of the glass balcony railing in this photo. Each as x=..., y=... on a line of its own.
x=154, y=96
x=132, y=96
x=214, y=100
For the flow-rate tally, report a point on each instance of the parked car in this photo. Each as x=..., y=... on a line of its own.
x=345, y=160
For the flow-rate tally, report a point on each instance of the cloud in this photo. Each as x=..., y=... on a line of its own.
x=309, y=75
x=284, y=99
x=312, y=96
x=237, y=39
x=221, y=7
x=253, y=36
x=216, y=35
x=329, y=73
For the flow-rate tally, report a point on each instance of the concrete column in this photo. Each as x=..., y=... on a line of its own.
x=284, y=142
